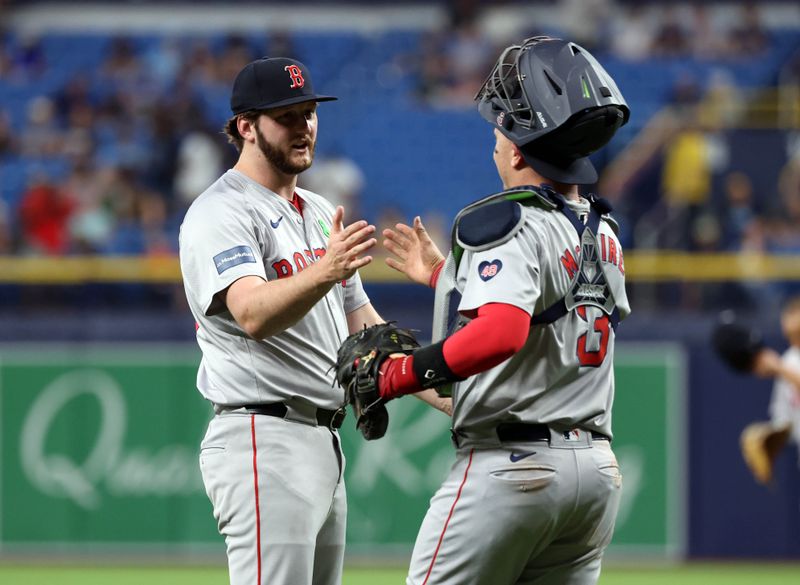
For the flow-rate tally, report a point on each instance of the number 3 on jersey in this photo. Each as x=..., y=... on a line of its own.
x=598, y=325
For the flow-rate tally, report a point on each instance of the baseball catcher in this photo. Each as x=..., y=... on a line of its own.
x=358, y=367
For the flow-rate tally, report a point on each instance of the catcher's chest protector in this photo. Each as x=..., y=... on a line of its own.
x=496, y=219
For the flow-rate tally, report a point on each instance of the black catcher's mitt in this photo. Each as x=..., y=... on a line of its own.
x=357, y=364
x=736, y=344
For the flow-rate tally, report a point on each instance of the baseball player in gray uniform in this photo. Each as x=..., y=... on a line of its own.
x=533, y=494
x=270, y=273
x=762, y=442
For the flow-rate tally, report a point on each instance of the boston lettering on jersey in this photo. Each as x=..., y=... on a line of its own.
x=284, y=269
x=610, y=253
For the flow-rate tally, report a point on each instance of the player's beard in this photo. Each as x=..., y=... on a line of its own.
x=281, y=159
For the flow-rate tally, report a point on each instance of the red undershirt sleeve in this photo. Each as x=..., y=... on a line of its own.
x=497, y=332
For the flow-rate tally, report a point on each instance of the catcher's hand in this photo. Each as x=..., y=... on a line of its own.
x=736, y=344
x=761, y=442
x=357, y=364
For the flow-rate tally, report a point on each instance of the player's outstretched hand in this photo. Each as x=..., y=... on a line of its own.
x=345, y=248
x=415, y=254
x=767, y=363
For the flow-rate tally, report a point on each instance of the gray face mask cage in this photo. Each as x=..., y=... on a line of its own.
x=504, y=88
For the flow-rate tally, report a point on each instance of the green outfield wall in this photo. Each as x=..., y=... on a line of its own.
x=99, y=453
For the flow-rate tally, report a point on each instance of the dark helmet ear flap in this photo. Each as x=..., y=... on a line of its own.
x=586, y=132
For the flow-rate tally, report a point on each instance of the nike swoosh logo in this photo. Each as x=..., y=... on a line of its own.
x=275, y=224
x=520, y=456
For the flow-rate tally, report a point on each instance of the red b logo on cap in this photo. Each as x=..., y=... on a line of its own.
x=296, y=75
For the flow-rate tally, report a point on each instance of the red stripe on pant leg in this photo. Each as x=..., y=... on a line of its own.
x=255, y=482
x=450, y=515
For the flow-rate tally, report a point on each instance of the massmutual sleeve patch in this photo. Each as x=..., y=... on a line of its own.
x=234, y=257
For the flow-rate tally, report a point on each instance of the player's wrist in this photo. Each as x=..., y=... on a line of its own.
x=320, y=277
x=437, y=270
x=397, y=378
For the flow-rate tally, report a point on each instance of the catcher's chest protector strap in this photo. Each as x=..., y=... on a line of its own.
x=589, y=286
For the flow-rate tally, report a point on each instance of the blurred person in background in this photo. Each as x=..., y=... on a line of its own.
x=199, y=163
x=9, y=143
x=748, y=38
x=685, y=184
x=738, y=212
x=451, y=62
x=784, y=407
x=44, y=214
x=632, y=35
x=339, y=177
x=671, y=39
x=588, y=22
x=42, y=137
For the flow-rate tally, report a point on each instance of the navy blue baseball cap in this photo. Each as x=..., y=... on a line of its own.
x=273, y=82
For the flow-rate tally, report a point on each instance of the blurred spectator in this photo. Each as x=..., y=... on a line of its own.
x=153, y=221
x=74, y=94
x=738, y=211
x=340, y=178
x=431, y=66
x=9, y=143
x=92, y=221
x=28, y=60
x=122, y=65
x=280, y=44
x=7, y=243
x=671, y=39
x=163, y=61
x=685, y=185
x=44, y=212
x=707, y=41
x=452, y=63
x=632, y=35
x=200, y=68
x=468, y=57
x=587, y=22
x=199, y=163
x=748, y=38
x=686, y=94
x=78, y=141
x=235, y=55
x=42, y=137
x=789, y=188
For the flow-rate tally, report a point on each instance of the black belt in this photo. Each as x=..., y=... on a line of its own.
x=520, y=432
x=325, y=418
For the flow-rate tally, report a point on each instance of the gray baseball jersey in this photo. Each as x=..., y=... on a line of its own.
x=531, y=509
x=239, y=228
x=784, y=407
x=563, y=376
x=276, y=484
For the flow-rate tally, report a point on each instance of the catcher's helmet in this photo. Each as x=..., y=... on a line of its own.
x=552, y=99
